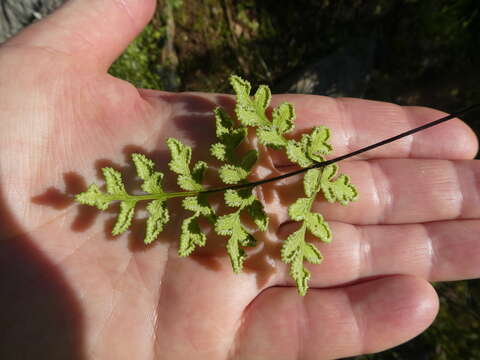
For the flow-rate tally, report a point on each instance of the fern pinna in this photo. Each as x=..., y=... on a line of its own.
x=250, y=111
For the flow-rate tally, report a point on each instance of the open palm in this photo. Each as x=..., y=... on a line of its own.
x=71, y=291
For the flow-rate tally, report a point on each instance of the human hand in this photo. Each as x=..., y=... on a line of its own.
x=71, y=292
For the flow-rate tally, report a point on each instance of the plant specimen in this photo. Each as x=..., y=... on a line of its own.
x=308, y=152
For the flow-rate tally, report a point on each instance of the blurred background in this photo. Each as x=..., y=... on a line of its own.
x=410, y=52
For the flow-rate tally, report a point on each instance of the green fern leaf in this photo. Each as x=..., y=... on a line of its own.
x=236, y=253
x=198, y=171
x=241, y=87
x=340, y=189
x=229, y=137
x=318, y=227
x=249, y=112
x=311, y=253
x=231, y=174
x=318, y=143
x=258, y=215
x=230, y=225
x=198, y=204
x=300, y=274
x=158, y=217
x=187, y=182
x=124, y=219
x=153, y=184
x=191, y=236
x=219, y=151
x=292, y=245
x=239, y=198
x=223, y=122
x=143, y=165
x=311, y=182
x=270, y=137
x=113, y=180
x=181, y=156
x=299, y=209
x=239, y=239
x=294, y=251
x=145, y=168
x=262, y=97
x=226, y=224
x=297, y=152
x=283, y=118
x=180, y=164
x=94, y=197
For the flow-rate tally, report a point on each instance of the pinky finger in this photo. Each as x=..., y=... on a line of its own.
x=335, y=323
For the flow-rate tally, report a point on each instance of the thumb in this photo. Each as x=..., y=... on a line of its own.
x=92, y=32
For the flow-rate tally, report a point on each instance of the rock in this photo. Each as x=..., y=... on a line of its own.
x=346, y=72
x=16, y=14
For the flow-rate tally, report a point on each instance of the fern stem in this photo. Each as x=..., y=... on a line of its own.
x=346, y=156
x=158, y=196
x=181, y=194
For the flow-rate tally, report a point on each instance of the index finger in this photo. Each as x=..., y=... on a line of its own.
x=356, y=123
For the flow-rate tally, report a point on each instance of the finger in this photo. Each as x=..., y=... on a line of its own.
x=91, y=32
x=394, y=191
x=436, y=251
x=410, y=191
x=335, y=323
x=356, y=123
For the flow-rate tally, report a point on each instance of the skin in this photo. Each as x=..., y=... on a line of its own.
x=69, y=290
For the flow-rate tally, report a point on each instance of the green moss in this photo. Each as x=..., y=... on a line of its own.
x=139, y=64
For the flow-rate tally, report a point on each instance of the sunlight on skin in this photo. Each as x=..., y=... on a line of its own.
x=64, y=118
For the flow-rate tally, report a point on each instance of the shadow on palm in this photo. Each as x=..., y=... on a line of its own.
x=39, y=304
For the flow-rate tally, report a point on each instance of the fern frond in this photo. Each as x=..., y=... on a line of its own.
x=275, y=133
